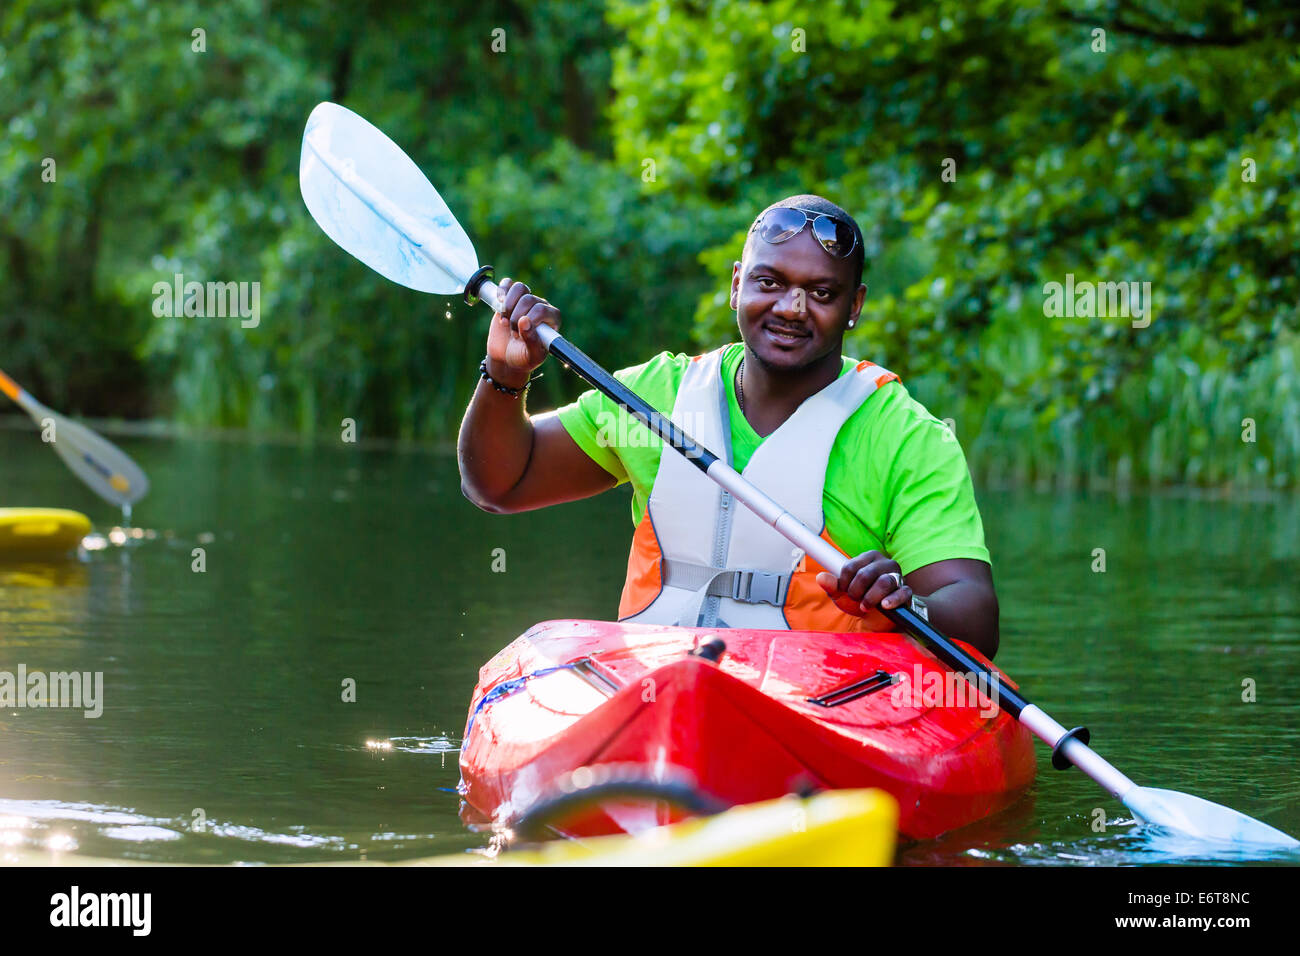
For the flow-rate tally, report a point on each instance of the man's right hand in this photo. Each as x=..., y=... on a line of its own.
x=509, y=460
x=513, y=348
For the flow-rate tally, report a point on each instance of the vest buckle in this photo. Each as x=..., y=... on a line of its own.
x=759, y=587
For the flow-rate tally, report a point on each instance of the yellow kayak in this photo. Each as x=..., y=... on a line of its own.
x=25, y=532
x=837, y=828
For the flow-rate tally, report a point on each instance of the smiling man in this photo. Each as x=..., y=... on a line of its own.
x=838, y=442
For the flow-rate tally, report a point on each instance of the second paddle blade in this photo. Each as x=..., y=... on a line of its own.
x=105, y=468
x=371, y=199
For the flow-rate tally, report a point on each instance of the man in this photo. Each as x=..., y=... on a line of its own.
x=838, y=442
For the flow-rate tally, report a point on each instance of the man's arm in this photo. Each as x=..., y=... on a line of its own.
x=508, y=461
x=960, y=601
x=931, y=524
x=511, y=463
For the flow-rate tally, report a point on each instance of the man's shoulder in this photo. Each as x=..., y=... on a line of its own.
x=891, y=418
x=898, y=403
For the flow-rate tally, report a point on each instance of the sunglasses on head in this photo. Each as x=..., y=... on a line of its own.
x=786, y=222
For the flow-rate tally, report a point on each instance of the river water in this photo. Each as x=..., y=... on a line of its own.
x=226, y=737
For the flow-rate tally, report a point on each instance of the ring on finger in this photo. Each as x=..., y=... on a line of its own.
x=898, y=578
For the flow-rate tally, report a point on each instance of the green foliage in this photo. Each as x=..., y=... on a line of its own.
x=1123, y=165
x=590, y=236
x=171, y=160
x=613, y=155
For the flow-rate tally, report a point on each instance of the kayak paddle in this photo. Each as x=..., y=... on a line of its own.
x=373, y=201
x=100, y=464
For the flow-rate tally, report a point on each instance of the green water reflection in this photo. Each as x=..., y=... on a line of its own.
x=223, y=689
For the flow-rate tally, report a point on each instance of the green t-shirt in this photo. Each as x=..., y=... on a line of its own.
x=896, y=480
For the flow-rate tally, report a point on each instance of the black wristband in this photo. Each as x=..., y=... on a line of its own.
x=504, y=389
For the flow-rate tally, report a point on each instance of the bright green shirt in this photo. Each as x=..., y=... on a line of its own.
x=896, y=479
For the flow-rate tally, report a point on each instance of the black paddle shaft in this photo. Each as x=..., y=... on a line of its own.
x=573, y=357
x=952, y=655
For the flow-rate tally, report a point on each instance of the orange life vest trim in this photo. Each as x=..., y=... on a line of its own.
x=644, y=580
x=882, y=379
x=809, y=608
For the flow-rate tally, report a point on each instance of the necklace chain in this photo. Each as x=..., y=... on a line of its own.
x=740, y=385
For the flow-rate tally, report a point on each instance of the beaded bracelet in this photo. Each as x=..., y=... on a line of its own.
x=504, y=389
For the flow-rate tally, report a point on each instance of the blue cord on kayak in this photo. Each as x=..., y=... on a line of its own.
x=506, y=688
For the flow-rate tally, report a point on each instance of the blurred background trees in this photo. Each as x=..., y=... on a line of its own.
x=613, y=156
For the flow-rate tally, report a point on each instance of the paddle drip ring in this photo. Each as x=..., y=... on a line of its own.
x=1059, y=760
x=475, y=282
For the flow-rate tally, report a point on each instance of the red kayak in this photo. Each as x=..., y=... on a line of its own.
x=778, y=712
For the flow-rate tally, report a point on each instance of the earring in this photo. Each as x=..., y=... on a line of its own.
x=852, y=322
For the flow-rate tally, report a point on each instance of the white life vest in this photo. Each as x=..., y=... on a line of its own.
x=719, y=565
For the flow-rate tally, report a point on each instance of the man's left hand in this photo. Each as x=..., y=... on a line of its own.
x=867, y=582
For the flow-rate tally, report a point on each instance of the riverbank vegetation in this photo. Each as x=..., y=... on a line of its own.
x=612, y=153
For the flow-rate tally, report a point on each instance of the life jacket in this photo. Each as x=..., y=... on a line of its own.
x=701, y=558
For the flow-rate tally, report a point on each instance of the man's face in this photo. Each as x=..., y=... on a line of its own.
x=793, y=301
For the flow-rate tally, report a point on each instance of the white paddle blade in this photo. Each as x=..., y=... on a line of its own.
x=1193, y=816
x=373, y=201
x=104, y=467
